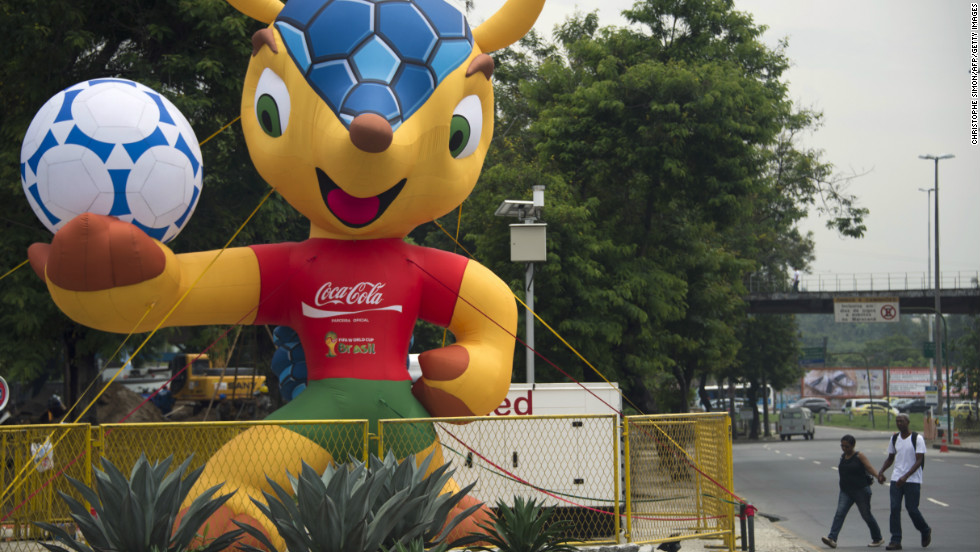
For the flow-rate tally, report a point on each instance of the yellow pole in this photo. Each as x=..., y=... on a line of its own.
x=615, y=433
x=626, y=477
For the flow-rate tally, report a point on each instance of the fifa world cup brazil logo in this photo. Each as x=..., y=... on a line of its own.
x=331, y=341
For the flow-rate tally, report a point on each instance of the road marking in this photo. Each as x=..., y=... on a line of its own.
x=971, y=466
x=817, y=462
x=801, y=458
x=934, y=501
x=938, y=460
x=834, y=468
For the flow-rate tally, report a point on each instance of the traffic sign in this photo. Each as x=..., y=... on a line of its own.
x=4, y=393
x=929, y=349
x=866, y=309
x=812, y=355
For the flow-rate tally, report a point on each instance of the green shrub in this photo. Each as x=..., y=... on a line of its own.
x=363, y=508
x=525, y=527
x=138, y=514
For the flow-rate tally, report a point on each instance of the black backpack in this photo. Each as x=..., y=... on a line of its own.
x=915, y=437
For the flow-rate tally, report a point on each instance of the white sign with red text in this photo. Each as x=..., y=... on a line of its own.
x=544, y=399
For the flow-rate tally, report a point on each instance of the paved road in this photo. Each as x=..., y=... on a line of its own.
x=797, y=481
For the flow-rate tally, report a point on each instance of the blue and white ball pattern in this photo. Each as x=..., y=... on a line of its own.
x=112, y=147
x=375, y=56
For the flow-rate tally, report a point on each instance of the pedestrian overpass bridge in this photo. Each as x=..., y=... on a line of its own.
x=959, y=292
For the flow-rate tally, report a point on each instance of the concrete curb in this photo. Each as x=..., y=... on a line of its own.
x=957, y=448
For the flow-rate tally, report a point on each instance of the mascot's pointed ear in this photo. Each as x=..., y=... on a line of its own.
x=259, y=10
x=511, y=22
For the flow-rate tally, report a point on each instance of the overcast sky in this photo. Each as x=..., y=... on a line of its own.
x=893, y=80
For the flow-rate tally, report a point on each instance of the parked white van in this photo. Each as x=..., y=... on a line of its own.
x=851, y=403
x=795, y=421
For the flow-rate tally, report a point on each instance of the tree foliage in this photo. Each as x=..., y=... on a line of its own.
x=673, y=169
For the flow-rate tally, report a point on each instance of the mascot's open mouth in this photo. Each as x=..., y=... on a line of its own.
x=355, y=212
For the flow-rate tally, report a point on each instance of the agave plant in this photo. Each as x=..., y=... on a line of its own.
x=525, y=527
x=138, y=514
x=418, y=545
x=363, y=508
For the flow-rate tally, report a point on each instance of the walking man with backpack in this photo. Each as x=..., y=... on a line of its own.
x=907, y=450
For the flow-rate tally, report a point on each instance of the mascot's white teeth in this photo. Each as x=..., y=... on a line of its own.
x=355, y=212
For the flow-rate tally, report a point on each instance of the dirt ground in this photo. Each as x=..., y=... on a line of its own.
x=121, y=405
x=118, y=402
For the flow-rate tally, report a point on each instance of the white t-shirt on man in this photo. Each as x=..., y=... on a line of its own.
x=904, y=451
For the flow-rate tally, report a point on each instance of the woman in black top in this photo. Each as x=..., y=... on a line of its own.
x=855, y=488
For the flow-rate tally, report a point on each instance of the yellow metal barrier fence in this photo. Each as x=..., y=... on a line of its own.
x=651, y=479
x=35, y=460
x=678, y=477
x=122, y=444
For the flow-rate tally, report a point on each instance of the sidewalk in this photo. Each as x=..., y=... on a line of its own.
x=968, y=443
x=769, y=537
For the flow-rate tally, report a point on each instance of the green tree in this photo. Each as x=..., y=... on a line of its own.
x=673, y=171
x=768, y=357
x=967, y=350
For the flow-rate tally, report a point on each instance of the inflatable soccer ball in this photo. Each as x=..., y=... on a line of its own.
x=112, y=147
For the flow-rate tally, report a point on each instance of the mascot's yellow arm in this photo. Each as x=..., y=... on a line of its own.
x=484, y=322
x=225, y=293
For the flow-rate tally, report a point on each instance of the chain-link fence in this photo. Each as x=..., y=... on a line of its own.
x=645, y=479
x=569, y=462
x=679, y=476
x=36, y=460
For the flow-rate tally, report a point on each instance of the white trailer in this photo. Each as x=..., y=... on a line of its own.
x=556, y=442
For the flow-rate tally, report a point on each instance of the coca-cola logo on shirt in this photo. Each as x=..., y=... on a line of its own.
x=347, y=300
x=364, y=293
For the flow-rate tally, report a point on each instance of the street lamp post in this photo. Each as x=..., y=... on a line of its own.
x=939, y=311
x=929, y=262
x=928, y=235
x=527, y=244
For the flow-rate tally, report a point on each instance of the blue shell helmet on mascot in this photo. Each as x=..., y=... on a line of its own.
x=370, y=118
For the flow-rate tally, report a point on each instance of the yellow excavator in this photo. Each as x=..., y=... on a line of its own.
x=202, y=382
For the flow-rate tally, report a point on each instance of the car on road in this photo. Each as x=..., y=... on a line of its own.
x=965, y=410
x=899, y=402
x=795, y=420
x=815, y=404
x=877, y=409
x=849, y=404
x=915, y=405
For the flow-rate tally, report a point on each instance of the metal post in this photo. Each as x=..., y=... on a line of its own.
x=939, y=310
x=529, y=321
x=742, y=522
x=929, y=271
x=871, y=398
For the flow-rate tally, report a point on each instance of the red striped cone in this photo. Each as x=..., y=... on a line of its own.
x=944, y=448
x=956, y=437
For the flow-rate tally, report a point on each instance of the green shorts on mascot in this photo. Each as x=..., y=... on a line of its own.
x=370, y=118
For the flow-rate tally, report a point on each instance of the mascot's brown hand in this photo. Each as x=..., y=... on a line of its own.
x=96, y=252
x=442, y=365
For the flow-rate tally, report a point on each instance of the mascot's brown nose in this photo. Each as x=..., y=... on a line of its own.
x=370, y=133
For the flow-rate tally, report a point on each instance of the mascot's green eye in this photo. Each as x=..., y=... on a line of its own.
x=268, y=114
x=272, y=104
x=466, y=127
x=459, y=135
